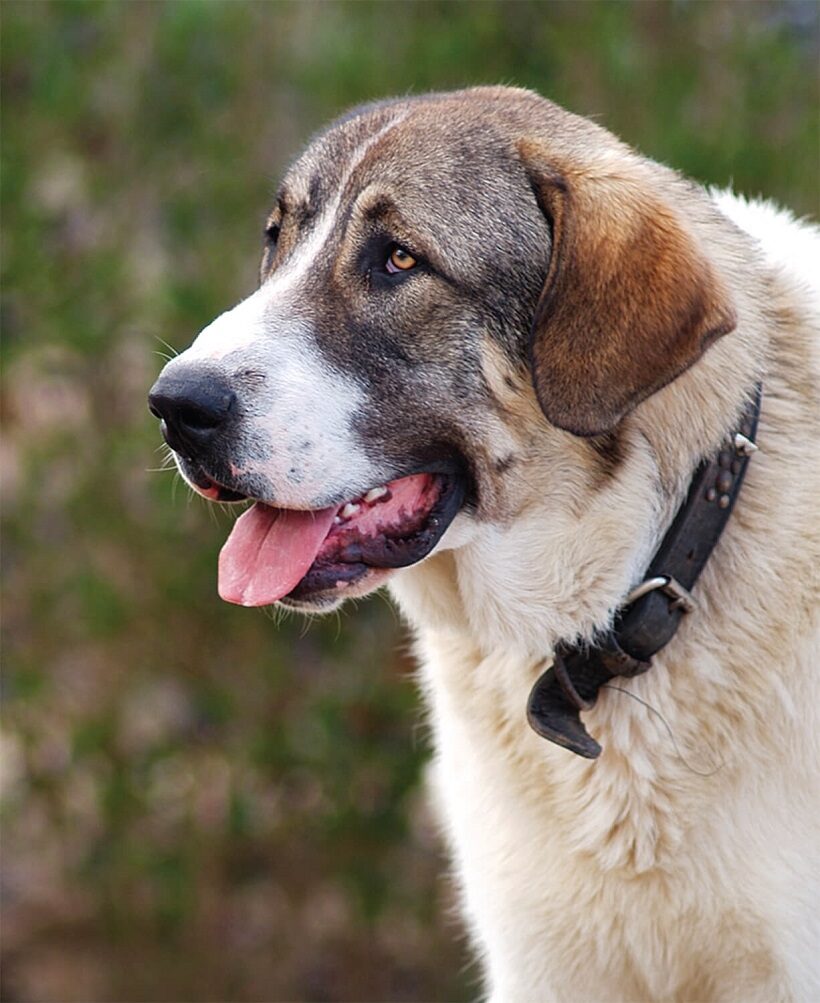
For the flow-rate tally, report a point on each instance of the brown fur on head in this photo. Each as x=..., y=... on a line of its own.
x=629, y=302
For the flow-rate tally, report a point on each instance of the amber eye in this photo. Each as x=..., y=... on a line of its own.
x=400, y=261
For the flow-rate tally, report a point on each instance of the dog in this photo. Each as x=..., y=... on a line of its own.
x=490, y=348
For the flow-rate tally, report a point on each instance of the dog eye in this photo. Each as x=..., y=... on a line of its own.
x=400, y=261
x=272, y=233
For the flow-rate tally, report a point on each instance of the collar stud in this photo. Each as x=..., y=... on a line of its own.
x=744, y=446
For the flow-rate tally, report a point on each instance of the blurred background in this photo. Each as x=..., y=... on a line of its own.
x=198, y=803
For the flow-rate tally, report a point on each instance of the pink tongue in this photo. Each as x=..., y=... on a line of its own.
x=269, y=552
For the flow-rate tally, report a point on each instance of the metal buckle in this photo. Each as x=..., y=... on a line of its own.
x=682, y=598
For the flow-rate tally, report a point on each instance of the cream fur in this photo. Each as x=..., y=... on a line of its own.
x=682, y=866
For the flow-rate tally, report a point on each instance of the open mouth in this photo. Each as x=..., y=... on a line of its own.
x=275, y=553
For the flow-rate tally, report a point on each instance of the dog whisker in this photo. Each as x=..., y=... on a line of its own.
x=173, y=351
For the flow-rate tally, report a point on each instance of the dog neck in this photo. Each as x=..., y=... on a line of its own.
x=651, y=614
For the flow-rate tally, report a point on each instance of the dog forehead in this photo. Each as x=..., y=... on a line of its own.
x=441, y=136
x=449, y=166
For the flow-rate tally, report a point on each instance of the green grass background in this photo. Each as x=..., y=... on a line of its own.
x=199, y=804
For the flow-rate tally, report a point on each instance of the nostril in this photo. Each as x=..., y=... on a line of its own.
x=204, y=418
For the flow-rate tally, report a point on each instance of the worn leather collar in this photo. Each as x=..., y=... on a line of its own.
x=652, y=612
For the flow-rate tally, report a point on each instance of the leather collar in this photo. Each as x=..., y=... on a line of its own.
x=652, y=612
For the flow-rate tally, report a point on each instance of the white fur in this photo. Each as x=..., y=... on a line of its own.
x=315, y=454
x=684, y=864
x=788, y=245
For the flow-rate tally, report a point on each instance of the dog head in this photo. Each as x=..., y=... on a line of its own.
x=434, y=268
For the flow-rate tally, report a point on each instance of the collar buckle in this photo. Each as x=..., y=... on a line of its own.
x=682, y=598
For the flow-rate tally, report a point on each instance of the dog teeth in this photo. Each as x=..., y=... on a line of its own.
x=354, y=507
x=374, y=494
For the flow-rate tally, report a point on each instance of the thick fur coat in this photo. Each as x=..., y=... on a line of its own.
x=488, y=290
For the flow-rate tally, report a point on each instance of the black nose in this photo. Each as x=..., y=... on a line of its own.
x=193, y=405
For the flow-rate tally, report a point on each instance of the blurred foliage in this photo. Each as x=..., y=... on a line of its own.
x=199, y=804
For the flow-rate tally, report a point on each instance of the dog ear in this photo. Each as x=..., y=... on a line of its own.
x=629, y=300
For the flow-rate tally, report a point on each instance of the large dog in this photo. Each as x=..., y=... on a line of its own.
x=490, y=347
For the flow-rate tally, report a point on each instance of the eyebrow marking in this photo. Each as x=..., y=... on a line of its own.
x=382, y=205
x=314, y=192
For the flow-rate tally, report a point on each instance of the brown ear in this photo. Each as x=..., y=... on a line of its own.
x=628, y=304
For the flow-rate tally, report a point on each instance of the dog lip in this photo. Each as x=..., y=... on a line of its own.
x=209, y=487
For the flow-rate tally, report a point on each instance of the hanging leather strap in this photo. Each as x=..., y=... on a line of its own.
x=653, y=611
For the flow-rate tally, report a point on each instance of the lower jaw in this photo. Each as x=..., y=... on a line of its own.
x=329, y=578
x=326, y=588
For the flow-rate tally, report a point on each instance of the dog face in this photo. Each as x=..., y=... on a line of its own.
x=435, y=269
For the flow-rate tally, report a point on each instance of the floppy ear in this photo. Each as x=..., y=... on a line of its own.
x=629, y=301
